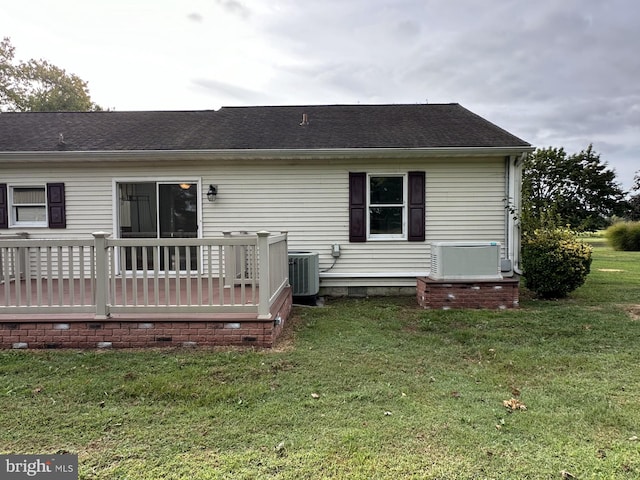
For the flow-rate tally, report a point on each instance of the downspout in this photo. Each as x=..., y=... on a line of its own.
x=507, y=208
x=514, y=196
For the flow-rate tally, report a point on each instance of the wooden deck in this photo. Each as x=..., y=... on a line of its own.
x=162, y=294
x=80, y=293
x=222, y=326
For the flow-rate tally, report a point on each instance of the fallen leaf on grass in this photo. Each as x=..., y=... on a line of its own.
x=315, y=395
x=514, y=404
x=634, y=438
x=279, y=449
x=455, y=394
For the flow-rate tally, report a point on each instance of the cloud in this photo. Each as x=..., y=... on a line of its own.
x=407, y=29
x=225, y=93
x=234, y=7
x=195, y=17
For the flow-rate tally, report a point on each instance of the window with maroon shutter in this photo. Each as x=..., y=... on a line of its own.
x=381, y=209
x=4, y=206
x=416, y=207
x=357, y=207
x=56, y=205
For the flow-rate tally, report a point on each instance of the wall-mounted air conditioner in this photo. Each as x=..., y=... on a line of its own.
x=304, y=273
x=465, y=261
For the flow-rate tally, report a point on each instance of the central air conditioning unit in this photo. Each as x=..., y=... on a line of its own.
x=465, y=261
x=304, y=273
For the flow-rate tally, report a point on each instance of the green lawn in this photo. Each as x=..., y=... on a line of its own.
x=364, y=389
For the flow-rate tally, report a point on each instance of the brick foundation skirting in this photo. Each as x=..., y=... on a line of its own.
x=112, y=333
x=484, y=294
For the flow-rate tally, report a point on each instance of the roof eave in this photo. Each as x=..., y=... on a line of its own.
x=260, y=154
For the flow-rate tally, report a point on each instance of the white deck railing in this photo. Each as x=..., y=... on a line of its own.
x=233, y=274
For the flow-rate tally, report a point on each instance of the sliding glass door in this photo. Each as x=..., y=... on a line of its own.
x=159, y=210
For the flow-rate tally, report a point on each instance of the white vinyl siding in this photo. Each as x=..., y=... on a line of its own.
x=465, y=201
x=307, y=198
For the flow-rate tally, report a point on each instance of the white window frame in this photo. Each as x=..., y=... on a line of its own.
x=404, y=206
x=13, y=222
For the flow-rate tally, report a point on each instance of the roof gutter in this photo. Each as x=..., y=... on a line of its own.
x=258, y=154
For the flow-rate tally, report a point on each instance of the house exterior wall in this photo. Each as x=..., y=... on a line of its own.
x=306, y=197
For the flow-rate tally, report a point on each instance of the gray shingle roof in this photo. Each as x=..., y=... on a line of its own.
x=329, y=127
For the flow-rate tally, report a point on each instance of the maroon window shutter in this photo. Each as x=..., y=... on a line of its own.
x=55, y=205
x=357, y=207
x=416, y=207
x=4, y=206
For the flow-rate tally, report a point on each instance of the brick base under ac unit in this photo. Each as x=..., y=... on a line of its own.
x=479, y=294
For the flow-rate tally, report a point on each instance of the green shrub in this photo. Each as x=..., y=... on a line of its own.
x=554, y=262
x=624, y=236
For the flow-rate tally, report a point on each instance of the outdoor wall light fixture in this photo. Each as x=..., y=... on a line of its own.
x=212, y=193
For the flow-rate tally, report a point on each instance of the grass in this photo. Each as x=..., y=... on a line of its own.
x=368, y=388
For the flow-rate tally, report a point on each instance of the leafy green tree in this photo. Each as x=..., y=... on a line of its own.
x=38, y=86
x=575, y=190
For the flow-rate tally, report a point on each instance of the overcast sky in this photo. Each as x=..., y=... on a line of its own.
x=553, y=72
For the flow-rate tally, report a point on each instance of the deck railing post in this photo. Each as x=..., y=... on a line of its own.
x=100, y=248
x=23, y=256
x=285, y=256
x=229, y=263
x=264, y=309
